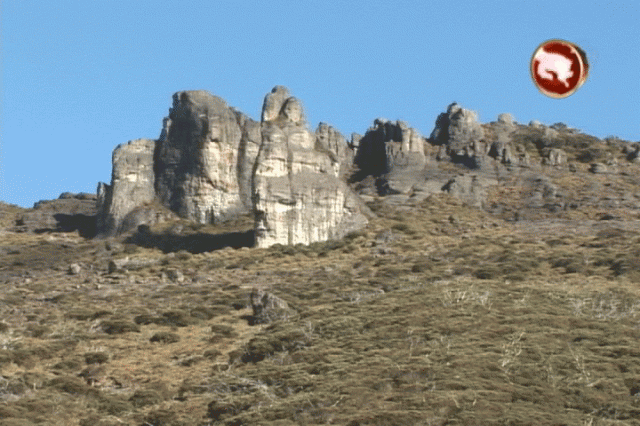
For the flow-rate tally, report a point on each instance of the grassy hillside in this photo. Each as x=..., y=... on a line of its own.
x=436, y=314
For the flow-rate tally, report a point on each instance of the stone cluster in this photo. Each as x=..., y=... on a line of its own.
x=212, y=163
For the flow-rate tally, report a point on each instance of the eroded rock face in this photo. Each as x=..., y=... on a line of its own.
x=331, y=139
x=469, y=188
x=297, y=195
x=200, y=168
x=203, y=158
x=457, y=128
x=70, y=212
x=132, y=185
x=391, y=150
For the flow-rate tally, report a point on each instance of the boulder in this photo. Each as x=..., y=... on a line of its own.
x=506, y=120
x=267, y=307
x=554, y=157
x=633, y=154
x=598, y=168
x=175, y=275
x=297, y=195
x=74, y=269
x=549, y=135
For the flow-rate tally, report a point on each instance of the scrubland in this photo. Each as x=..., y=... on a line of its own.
x=435, y=314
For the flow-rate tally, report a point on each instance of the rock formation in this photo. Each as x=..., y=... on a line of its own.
x=132, y=185
x=267, y=307
x=462, y=138
x=393, y=151
x=555, y=157
x=469, y=188
x=204, y=158
x=332, y=140
x=70, y=212
x=457, y=128
x=212, y=163
x=202, y=170
x=297, y=195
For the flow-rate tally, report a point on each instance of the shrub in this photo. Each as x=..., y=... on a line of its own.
x=119, y=327
x=96, y=357
x=145, y=397
x=165, y=337
x=224, y=330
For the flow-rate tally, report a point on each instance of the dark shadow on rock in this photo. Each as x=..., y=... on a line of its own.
x=371, y=157
x=84, y=224
x=471, y=162
x=193, y=243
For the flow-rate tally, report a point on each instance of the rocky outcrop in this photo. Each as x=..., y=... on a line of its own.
x=331, y=139
x=200, y=168
x=213, y=163
x=469, y=188
x=69, y=213
x=392, y=151
x=554, y=157
x=267, y=307
x=506, y=120
x=457, y=128
x=204, y=158
x=132, y=185
x=599, y=168
x=297, y=195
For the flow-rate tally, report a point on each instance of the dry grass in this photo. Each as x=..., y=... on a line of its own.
x=435, y=314
x=438, y=314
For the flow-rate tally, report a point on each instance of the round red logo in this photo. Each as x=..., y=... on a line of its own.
x=558, y=68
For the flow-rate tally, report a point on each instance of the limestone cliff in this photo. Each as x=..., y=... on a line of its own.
x=132, y=185
x=202, y=158
x=202, y=169
x=297, y=195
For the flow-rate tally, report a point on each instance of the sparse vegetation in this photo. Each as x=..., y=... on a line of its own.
x=437, y=314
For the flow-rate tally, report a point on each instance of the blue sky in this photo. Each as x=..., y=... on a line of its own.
x=80, y=77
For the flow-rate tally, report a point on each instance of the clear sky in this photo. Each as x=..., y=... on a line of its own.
x=80, y=77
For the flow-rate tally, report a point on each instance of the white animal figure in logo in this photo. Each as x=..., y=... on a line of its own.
x=553, y=63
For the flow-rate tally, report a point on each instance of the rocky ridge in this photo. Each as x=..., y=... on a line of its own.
x=213, y=164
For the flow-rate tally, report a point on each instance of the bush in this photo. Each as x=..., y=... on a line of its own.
x=224, y=330
x=405, y=228
x=145, y=397
x=165, y=337
x=96, y=358
x=119, y=327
